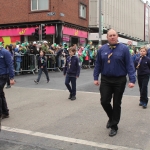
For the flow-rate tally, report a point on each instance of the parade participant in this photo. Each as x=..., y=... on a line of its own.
x=42, y=67
x=114, y=63
x=6, y=69
x=72, y=71
x=142, y=64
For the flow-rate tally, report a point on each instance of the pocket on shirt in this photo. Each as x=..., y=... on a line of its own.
x=104, y=56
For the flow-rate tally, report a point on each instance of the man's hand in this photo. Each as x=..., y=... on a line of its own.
x=41, y=66
x=12, y=81
x=96, y=82
x=131, y=85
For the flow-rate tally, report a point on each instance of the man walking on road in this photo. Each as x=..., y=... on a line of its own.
x=6, y=70
x=114, y=63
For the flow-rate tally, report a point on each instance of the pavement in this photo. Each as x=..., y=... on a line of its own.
x=42, y=118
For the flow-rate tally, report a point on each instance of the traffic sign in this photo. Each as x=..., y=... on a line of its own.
x=51, y=13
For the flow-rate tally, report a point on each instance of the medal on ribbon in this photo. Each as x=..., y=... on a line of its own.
x=111, y=51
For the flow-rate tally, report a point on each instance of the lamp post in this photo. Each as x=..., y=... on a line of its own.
x=100, y=25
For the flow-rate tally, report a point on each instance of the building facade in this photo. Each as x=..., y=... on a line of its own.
x=64, y=20
x=125, y=16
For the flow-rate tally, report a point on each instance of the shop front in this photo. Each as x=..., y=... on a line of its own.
x=74, y=36
x=10, y=36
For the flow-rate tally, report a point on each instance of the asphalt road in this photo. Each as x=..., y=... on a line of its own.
x=42, y=118
x=84, y=82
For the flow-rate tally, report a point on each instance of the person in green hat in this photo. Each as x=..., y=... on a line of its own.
x=23, y=48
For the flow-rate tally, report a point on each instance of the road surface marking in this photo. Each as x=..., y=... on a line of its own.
x=66, y=139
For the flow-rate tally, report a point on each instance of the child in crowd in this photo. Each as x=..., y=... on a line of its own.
x=42, y=67
x=142, y=65
x=71, y=71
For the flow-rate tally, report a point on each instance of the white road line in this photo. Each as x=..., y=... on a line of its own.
x=67, y=139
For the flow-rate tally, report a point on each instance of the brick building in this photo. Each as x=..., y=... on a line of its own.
x=69, y=24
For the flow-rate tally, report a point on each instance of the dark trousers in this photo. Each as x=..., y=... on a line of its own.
x=8, y=81
x=3, y=104
x=72, y=88
x=40, y=73
x=112, y=87
x=143, y=87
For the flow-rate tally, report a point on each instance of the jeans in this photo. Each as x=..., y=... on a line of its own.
x=3, y=104
x=143, y=87
x=40, y=73
x=17, y=67
x=72, y=88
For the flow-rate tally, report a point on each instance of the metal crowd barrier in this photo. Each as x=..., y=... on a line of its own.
x=24, y=63
x=29, y=63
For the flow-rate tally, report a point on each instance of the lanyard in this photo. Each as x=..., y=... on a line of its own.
x=139, y=62
x=112, y=47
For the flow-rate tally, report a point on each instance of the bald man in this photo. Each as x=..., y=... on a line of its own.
x=113, y=63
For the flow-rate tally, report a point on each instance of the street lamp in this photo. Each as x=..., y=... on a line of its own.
x=100, y=18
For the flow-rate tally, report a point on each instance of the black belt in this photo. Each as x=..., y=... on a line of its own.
x=113, y=76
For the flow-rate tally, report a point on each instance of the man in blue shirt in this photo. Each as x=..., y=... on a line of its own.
x=6, y=70
x=113, y=63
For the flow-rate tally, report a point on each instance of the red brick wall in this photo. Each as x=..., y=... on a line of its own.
x=18, y=11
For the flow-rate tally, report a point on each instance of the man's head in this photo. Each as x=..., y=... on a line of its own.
x=112, y=37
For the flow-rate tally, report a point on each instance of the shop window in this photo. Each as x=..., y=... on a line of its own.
x=82, y=11
x=39, y=5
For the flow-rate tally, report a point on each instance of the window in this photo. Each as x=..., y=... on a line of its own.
x=39, y=5
x=82, y=11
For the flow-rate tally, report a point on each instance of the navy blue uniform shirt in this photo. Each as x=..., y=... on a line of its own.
x=6, y=63
x=144, y=68
x=120, y=63
x=72, y=67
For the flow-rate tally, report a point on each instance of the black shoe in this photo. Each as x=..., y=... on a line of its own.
x=36, y=82
x=8, y=86
x=144, y=105
x=112, y=132
x=47, y=81
x=108, y=124
x=5, y=116
x=70, y=96
x=141, y=103
x=73, y=98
